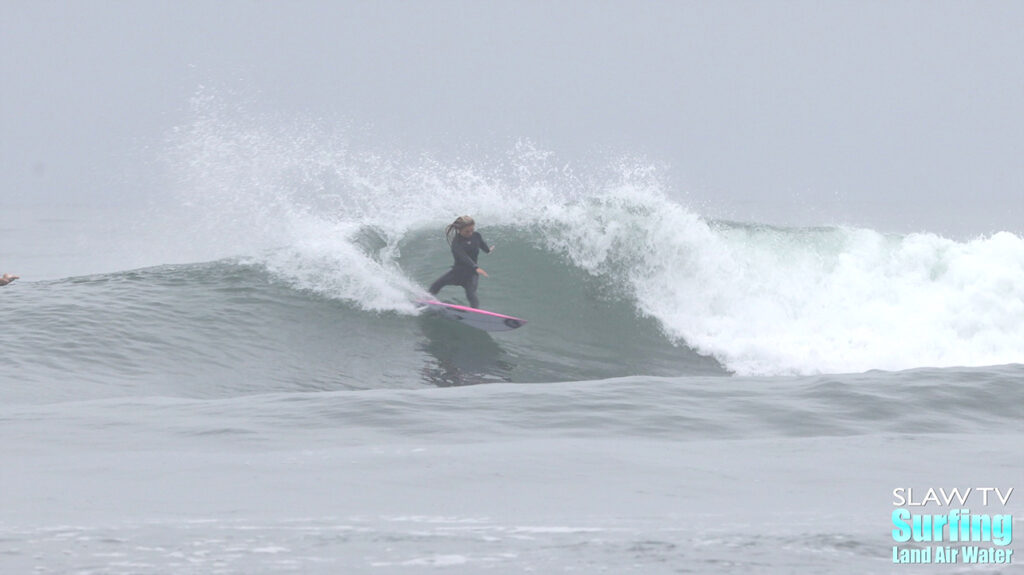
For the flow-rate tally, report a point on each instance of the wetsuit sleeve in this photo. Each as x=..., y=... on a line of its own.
x=461, y=257
x=483, y=245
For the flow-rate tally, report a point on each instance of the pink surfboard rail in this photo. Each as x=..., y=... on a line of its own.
x=469, y=309
x=478, y=318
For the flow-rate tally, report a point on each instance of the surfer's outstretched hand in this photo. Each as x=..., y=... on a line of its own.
x=492, y=249
x=481, y=271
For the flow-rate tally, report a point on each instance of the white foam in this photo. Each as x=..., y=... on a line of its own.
x=792, y=301
x=271, y=549
x=436, y=561
x=303, y=204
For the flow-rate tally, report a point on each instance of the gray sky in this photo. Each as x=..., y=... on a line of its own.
x=901, y=115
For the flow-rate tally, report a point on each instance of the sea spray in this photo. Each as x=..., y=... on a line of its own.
x=760, y=299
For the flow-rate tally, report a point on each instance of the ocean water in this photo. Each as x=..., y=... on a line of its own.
x=233, y=378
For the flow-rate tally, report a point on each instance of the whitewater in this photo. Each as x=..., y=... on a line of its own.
x=234, y=379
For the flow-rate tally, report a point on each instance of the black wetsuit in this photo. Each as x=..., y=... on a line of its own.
x=463, y=273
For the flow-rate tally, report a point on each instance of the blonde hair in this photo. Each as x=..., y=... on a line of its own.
x=458, y=225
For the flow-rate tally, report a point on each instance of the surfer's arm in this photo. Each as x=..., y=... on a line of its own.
x=483, y=245
x=6, y=279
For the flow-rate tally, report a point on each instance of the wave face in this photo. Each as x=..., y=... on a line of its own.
x=583, y=255
x=226, y=329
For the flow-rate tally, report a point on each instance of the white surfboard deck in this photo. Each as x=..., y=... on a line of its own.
x=478, y=318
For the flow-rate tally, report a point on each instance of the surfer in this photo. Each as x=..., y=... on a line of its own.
x=7, y=278
x=466, y=244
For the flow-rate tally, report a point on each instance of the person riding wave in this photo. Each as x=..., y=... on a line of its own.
x=466, y=244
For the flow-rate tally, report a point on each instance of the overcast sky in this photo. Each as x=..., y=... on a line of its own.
x=902, y=115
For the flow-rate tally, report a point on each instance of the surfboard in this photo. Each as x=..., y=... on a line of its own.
x=478, y=318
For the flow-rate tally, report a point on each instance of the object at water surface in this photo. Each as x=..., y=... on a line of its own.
x=478, y=318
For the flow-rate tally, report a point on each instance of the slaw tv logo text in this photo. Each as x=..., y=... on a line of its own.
x=956, y=535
